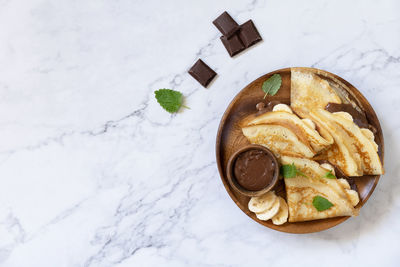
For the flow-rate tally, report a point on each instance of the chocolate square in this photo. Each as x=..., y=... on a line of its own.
x=233, y=44
x=248, y=34
x=202, y=72
x=226, y=25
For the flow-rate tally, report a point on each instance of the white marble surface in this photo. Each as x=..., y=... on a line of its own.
x=94, y=173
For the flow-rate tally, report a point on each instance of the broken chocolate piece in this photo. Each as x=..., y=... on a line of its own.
x=233, y=44
x=226, y=25
x=202, y=73
x=248, y=34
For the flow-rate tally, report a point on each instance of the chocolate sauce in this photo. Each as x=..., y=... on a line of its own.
x=254, y=169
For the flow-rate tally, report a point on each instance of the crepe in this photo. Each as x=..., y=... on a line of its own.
x=343, y=152
x=359, y=142
x=279, y=139
x=308, y=92
x=301, y=190
x=306, y=133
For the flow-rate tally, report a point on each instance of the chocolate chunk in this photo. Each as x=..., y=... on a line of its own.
x=226, y=25
x=248, y=34
x=232, y=44
x=202, y=73
x=262, y=108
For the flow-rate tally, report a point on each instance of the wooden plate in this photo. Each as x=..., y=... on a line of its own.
x=230, y=139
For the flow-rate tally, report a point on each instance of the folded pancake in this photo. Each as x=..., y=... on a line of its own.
x=308, y=92
x=304, y=131
x=361, y=141
x=343, y=152
x=279, y=139
x=301, y=190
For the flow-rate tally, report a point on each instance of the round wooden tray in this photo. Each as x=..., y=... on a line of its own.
x=230, y=139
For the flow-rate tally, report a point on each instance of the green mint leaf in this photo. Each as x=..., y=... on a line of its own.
x=330, y=175
x=272, y=85
x=170, y=100
x=288, y=170
x=300, y=173
x=321, y=203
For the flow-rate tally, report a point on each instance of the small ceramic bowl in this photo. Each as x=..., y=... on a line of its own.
x=231, y=177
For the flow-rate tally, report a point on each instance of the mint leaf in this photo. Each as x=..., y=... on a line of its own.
x=290, y=171
x=330, y=175
x=300, y=173
x=170, y=100
x=321, y=203
x=272, y=85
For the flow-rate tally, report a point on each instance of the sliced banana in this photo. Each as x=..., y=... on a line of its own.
x=329, y=167
x=344, y=183
x=353, y=196
x=283, y=213
x=271, y=212
x=262, y=203
x=344, y=115
x=370, y=135
x=282, y=107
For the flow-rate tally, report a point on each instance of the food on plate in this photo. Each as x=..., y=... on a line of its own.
x=358, y=115
x=308, y=92
x=356, y=152
x=254, y=169
x=312, y=195
x=269, y=213
x=323, y=144
x=262, y=203
x=304, y=129
x=269, y=206
x=272, y=85
x=279, y=139
x=282, y=216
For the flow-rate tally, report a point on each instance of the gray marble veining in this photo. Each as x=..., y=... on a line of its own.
x=94, y=173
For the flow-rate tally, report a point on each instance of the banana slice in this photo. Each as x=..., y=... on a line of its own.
x=282, y=107
x=353, y=196
x=283, y=213
x=329, y=167
x=344, y=183
x=262, y=203
x=370, y=135
x=344, y=115
x=271, y=212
